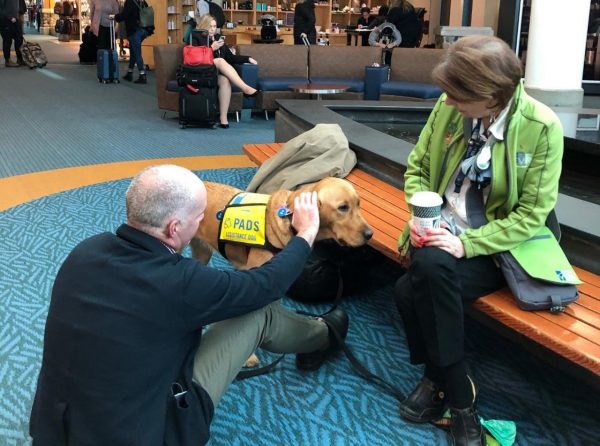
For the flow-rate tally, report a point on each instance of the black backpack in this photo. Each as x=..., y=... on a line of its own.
x=268, y=30
x=332, y=269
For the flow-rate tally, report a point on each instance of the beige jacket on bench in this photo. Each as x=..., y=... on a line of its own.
x=309, y=157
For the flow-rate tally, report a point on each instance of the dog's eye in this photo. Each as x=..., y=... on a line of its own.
x=343, y=208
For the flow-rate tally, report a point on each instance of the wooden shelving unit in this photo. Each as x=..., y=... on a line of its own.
x=170, y=17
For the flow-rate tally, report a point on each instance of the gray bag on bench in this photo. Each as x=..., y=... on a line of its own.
x=537, y=271
x=550, y=283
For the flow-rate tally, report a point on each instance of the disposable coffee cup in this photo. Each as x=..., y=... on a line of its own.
x=426, y=210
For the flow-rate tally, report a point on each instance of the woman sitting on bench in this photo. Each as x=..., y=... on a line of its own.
x=486, y=143
x=224, y=58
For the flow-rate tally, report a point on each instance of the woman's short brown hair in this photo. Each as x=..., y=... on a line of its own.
x=477, y=68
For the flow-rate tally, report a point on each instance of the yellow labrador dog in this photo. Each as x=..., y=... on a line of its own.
x=339, y=212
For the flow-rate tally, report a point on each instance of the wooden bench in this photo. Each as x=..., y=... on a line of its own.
x=573, y=335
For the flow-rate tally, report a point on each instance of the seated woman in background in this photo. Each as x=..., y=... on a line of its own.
x=404, y=17
x=224, y=59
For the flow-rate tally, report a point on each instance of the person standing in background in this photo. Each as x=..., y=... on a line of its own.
x=304, y=22
x=136, y=35
x=10, y=31
x=22, y=12
x=404, y=17
x=204, y=7
x=381, y=16
x=100, y=11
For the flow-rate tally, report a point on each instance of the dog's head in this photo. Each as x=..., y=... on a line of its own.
x=339, y=212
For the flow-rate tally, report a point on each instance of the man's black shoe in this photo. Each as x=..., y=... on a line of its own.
x=337, y=321
x=465, y=428
x=141, y=80
x=427, y=402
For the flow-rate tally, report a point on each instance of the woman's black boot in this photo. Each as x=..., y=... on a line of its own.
x=465, y=428
x=427, y=402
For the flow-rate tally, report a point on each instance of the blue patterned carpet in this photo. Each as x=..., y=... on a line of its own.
x=329, y=407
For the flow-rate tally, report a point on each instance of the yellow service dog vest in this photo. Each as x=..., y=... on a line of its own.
x=243, y=220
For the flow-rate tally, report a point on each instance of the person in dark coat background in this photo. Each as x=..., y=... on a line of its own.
x=304, y=22
x=402, y=14
x=125, y=360
x=381, y=16
x=10, y=31
x=136, y=35
x=204, y=7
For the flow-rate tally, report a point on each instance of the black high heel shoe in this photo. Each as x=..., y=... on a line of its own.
x=223, y=126
x=253, y=95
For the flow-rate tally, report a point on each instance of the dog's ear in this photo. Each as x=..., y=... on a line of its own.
x=279, y=229
x=311, y=187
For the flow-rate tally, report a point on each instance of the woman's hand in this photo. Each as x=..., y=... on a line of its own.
x=217, y=44
x=438, y=237
x=252, y=61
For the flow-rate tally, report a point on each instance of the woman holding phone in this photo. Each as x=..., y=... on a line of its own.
x=224, y=58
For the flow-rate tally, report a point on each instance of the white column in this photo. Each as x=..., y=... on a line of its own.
x=556, y=50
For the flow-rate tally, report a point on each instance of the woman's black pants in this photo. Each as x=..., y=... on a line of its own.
x=430, y=300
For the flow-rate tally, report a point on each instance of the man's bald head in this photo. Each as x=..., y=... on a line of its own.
x=160, y=193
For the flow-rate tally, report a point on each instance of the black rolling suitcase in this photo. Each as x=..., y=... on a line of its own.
x=108, y=60
x=197, y=95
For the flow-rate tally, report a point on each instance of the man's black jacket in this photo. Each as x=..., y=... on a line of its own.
x=124, y=323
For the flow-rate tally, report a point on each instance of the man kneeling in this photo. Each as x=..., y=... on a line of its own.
x=125, y=361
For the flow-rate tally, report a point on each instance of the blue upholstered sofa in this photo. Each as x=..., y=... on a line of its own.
x=279, y=66
x=410, y=75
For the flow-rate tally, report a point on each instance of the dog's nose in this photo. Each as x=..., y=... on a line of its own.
x=368, y=234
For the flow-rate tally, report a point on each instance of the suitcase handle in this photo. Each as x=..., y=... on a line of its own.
x=112, y=33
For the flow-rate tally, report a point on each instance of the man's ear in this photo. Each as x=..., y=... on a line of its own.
x=171, y=228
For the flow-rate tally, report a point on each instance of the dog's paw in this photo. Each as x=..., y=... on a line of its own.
x=252, y=361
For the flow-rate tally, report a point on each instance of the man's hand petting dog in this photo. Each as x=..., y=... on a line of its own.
x=305, y=218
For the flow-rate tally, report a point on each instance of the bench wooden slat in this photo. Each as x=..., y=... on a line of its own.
x=388, y=221
x=575, y=334
x=386, y=201
x=566, y=343
x=588, y=277
x=588, y=288
x=589, y=302
x=390, y=195
x=378, y=183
